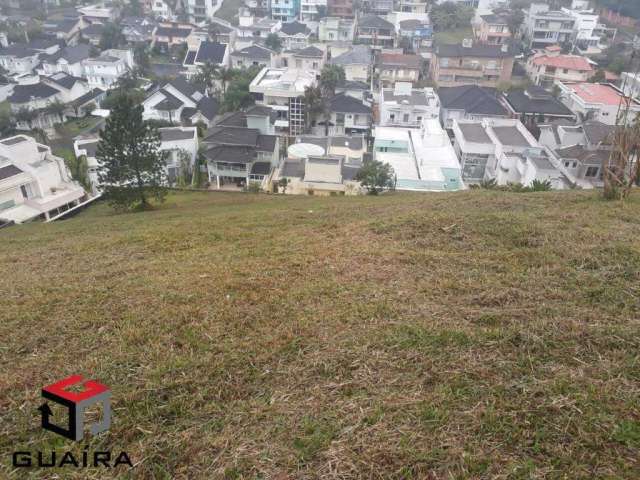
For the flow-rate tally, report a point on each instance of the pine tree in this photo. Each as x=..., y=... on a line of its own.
x=131, y=165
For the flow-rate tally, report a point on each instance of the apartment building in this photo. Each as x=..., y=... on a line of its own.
x=469, y=63
x=285, y=10
x=282, y=90
x=375, y=32
x=543, y=27
x=200, y=11
x=331, y=29
x=492, y=29
x=398, y=67
x=340, y=8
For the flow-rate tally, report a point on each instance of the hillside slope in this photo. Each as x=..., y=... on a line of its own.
x=471, y=335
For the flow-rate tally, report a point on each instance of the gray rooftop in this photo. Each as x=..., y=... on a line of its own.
x=510, y=136
x=474, y=132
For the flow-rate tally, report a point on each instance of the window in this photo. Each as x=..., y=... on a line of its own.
x=419, y=119
x=392, y=117
x=591, y=172
x=26, y=191
x=339, y=118
x=405, y=118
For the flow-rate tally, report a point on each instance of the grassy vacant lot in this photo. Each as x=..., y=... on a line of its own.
x=229, y=11
x=471, y=335
x=453, y=36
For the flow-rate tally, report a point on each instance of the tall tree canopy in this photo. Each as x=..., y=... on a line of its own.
x=131, y=165
x=450, y=15
x=111, y=37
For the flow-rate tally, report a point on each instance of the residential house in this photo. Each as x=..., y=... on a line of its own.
x=68, y=60
x=34, y=183
x=422, y=158
x=545, y=68
x=138, y=30
x=253, y=55
x=22, y=58
x=379, y=7
x=312, y=10
x=29, y=102
x=294, y=35
x=593, y=135
x=251, y=30
x=340, y=8
x=164, y=9
x=92, y=33
x=410, y=6
x=355, y=89
x=168, y=35
x=376, y=32
x=535, y=106
x=543, y=27
x=630, y=82
x=66, y=29
x=237, y=156
x=347, y=116
x=492, y=29
x=332, y=29
x=404, y=106
x=323, y=165
x=469, y=63
x=416, y=35
x=357, y=63
x=179, y=102
x=470, y=102
x=201, y=11
x=599, y=101
x=99, y=12
x=310, y=59
x=206, y=52
x=398, y=67
x=282, y=90
x=177, y=144
x=504, y=151
x=588, y=32
x=104, y=71
x=285, y=10
x=221, y=31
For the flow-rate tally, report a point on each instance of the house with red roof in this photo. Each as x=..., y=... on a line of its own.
x=603, y=102
x=550, y=65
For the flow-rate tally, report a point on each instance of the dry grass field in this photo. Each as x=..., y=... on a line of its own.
x=475, y=335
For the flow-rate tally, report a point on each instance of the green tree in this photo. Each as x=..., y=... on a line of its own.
x=331, y=77
x=79, y=169
x=274, y=42
x=515, y=20
x=56, y=108
x=540, y=186
x=131, y=165
x=376, y=176
x=450, y=15
x=314, y=105
x=205, y=76
x=598, y=77
x=111, y=37
x=142, y=58
x=225, y=75
x=134, y=8
x=237, y=95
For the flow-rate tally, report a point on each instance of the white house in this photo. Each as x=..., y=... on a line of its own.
x=173, y=142
x=422, y=158
x=104, y=71
x=68, y=60
x=200, y=11
x=336, y=29
x=406, y=106
x=598, y=101
x=178, y=101
x=34, y=183
x=630, y=82
x=20, y=58
x=503, y=150
x=357, y=63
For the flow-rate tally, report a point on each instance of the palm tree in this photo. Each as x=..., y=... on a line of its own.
x=330, y=78
x=225, y=75
x=312, y=104
x=56, y=108
x=206, y=75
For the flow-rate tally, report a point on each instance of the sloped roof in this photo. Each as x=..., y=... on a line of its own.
x=208, y=107
x=95, y=29
x=522, y=102
x=570, y=62
x=9, y=171
x=233, y=119
x=254, y=51
x=168, y=134
x=230, y=154
x=261, y=168
x=18, y=50
x=358, y=55
x=586, y=157
x=173, y=32
x=211, y=52
x=293, y=28
x=598, y=132
x=311, y=51
x=472, y=99
x=183, y=86
x=374, y=21
x=64, y=80
x=70, y=54
x=400, y=60
x=232, y=136
x=170, y=102
x=266, y=143
x=24, y=93
x=347, y=104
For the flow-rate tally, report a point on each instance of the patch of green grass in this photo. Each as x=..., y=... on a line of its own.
x=454, y=36
x=471, y=335
x=229, y=11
